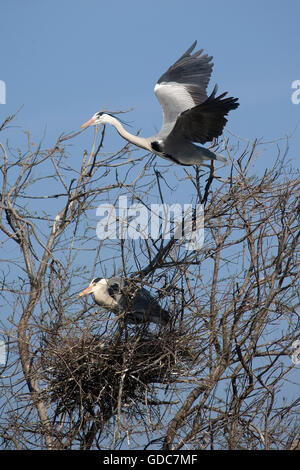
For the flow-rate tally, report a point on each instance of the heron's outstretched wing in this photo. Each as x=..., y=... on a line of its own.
x=204, y=122
x=183, y=86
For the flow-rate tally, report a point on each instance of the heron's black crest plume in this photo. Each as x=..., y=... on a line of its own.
x=113, y=114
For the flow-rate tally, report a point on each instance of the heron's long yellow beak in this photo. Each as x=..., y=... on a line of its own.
x=88, y=123
x=86, y=291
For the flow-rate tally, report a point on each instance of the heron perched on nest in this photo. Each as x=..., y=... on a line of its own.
x=122, y=297
x=189, y=114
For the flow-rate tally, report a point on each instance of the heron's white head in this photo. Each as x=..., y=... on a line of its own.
x=98, y=118
x=94, y=286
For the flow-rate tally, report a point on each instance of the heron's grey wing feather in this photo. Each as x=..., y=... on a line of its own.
x=193, y=72
x=142, y=300
x=149, y=306
x=204, y=122
x=174, y=99
x=190, y=49
x=183, y=86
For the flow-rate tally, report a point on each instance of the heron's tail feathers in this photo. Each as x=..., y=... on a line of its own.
x=206, y=154
x=220, y=157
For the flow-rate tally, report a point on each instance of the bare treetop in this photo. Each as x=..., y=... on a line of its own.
x=220, y=375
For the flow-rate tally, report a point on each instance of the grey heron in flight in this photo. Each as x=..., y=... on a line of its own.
x=114, y=294
x=189, y=115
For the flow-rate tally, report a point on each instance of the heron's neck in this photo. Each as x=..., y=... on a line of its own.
x=134, y=139
x=102, y=297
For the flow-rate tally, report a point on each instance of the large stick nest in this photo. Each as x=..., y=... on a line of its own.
x=89, y=373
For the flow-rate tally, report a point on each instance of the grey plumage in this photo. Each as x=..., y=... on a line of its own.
x=189, y=115
x=122, y=296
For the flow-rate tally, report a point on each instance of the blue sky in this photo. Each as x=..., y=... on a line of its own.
x=64, y=60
